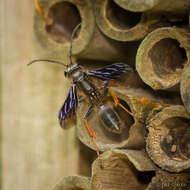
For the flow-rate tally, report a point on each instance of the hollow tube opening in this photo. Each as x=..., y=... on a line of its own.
x=176, y=143
x=121, y=18
x=167, y=57
x=65, y=17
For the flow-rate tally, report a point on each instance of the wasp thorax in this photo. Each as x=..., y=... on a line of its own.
x=78, y=76
x=71, y=69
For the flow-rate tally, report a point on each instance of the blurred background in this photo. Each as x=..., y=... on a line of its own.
x=35, y=152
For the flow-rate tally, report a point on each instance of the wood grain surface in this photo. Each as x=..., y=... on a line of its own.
x=35, y=152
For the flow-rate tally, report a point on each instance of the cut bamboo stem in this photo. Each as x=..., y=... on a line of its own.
x=88, y=43
x=123, y=25
x=139, y=158
x=73, y=183
x=118, y=173
x=184, y=87
x=168, y=139
x=169, y=181
x=162, y=56
x=55, y=37
x=159, y=6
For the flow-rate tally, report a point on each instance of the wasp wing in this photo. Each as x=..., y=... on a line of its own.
x=110, y=72
x=69, y=107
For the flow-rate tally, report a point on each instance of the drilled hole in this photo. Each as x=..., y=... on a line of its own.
x=65, y=17
x=176, y=143
x=167, y=57
x=121, y=18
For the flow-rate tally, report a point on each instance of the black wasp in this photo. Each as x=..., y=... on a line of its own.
x=109, y=118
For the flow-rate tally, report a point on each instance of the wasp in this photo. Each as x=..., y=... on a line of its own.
x=82, y=80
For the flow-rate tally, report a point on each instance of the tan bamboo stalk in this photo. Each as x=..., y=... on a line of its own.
x=139, y=158
x=184, y=87
x=162, y=55
x=89, y=43
x=161, y=6
x=169, y=181
x=138, y=101
x=63, y=16
x=118, y=173
x=123, y=25
x=168, y=139
x=73, y=183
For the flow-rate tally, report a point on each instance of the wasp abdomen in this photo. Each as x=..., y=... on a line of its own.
x=110, y=119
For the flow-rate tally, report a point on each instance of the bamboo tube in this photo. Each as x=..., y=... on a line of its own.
x=138, y=158
x=73, y=183
x=54, y=36
x=138, y=101
x=159, y=6
x=169, y=181
x=118, y=173
x=168, y=139
x=89, y=43
x=161, y=57
x=184, y=87
x=123, y=25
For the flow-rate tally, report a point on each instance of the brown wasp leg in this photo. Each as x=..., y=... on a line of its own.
x=40, y=11
x=116, y=100
x=80, y=99
x=92, y=133
x=104, y=89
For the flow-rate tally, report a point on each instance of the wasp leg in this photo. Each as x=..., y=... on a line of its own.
x=80, y=99
x=90, y=109
x=104, y=85
x=92, y=133
x=40, y=11
x=104, y=89
x=116, y=100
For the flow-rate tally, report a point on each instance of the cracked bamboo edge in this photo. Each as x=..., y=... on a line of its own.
x=162, y=56
x=167, y=142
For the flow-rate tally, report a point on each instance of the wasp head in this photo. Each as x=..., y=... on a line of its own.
x=71, y=69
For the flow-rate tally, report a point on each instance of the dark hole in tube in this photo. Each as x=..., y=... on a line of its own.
x=167, y=57
x=121, y=18
x=65, y=17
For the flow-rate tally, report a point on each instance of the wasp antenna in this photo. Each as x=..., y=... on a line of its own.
x=72, y=36
x=40, y=11
x=47, y=60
